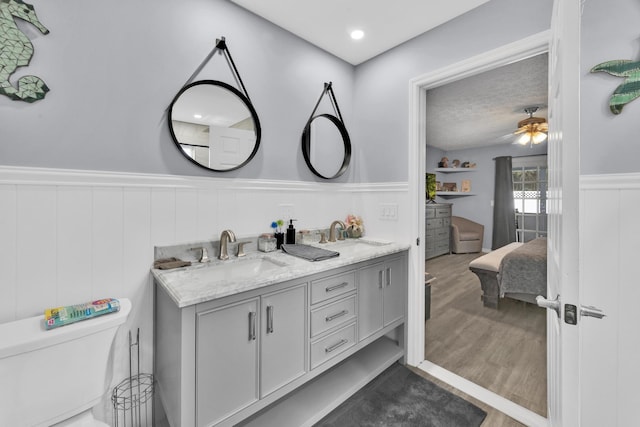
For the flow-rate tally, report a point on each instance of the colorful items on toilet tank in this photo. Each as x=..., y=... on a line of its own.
x=60, y=316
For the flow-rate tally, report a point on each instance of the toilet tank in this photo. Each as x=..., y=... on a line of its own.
x=47, y=376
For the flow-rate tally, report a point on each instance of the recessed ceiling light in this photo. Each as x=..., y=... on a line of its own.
x=197, y=116
x=357, y=34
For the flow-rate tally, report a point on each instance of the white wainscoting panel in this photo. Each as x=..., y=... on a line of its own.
x=609, y=259
x=108, y=242
x=8, y=254
x=75, y=243
x=163, y=216
x=36, y=249
x=67, y=236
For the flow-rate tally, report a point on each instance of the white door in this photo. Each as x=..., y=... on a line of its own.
x=562, y=205
x=229, y=147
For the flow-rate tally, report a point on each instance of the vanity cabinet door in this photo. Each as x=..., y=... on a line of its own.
x=370, y=299
x=381, y=296
x=226, y=360
x=283, y=338
x=394, y=290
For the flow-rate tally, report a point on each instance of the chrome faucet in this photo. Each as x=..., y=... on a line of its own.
x=332, y=230
x=204, y=256
x=225, y=237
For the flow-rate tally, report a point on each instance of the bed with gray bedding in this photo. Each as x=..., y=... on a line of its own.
x=517, y=271
x=523, y=271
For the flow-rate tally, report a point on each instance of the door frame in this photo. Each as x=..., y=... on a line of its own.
x=418, y=86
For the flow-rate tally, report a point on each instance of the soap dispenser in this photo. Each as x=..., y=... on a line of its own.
x=291, y=233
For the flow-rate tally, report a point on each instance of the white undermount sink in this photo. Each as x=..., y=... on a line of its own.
x=351, y=246
x=240, y=268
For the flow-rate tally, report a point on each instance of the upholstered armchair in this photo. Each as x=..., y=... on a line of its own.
x=466, y=235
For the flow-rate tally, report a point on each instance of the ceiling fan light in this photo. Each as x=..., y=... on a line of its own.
x=538, y=137
x=533, y=129
x=524, y=139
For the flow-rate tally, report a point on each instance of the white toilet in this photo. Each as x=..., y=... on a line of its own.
x=55, y=376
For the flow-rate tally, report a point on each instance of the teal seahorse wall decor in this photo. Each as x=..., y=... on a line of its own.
x=16, y=51
x=629, y=89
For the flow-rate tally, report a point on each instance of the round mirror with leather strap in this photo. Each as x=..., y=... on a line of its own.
x=326, y=146
x=214, y=125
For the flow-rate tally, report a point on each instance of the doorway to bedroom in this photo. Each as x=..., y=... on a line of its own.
x=502, y=350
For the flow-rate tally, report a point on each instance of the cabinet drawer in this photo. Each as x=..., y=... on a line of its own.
x=430, y=213
x=443, y=212
x=332, y=286
x=441, y=233
x=332, y=315
x=442, y=246
x=446, y=222
x=434, y=223
x=332, y=345
x=431, y=245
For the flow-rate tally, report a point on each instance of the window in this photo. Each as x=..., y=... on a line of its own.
x=530, y=197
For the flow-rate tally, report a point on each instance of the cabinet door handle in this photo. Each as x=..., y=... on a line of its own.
x=336, y=346
x=335, y=316
x=380, y=279
x=333, y=288
x=388, y=274
x=270, y=319
x=252, y=326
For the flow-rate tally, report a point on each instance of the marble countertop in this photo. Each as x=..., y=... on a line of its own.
x=217, y=279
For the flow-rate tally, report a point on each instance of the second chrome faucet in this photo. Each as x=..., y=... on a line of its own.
x=225, y=237
x=332, y=230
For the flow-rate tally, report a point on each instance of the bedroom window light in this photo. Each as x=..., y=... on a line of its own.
x=530, y=197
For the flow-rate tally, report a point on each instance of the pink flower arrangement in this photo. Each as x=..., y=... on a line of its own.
x=355, y=223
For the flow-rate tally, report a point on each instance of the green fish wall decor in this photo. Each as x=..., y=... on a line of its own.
x=629, y=89
x=16, y=51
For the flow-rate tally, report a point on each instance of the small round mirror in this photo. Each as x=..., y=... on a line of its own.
x=214, y=125
x=326, y=146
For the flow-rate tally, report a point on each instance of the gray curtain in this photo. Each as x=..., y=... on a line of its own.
x=504, y=220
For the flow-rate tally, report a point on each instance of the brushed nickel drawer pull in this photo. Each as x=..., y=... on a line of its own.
x=270, y=319
x=336, y=346
x=333, y=288
x=388, y=277
x=252, y=326
x=380, y=279
x=335, y=316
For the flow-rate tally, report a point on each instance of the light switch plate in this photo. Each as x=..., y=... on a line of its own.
x=389, y=211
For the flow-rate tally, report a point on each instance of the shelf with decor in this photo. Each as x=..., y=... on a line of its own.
x=453, y=170
x=454, y=193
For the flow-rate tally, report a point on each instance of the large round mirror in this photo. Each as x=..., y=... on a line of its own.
x=326, y=146
x=214, y=125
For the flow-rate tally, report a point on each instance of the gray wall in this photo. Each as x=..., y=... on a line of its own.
x=477, y=208
x=609, y=143
x=382, y=83
x=114, y=67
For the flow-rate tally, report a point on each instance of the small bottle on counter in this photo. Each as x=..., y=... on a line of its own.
x=291, y=233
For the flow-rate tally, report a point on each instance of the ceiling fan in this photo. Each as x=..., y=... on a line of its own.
x=532, y=130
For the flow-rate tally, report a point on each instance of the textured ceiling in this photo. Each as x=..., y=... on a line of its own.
x=328, y=23
x=484, y=109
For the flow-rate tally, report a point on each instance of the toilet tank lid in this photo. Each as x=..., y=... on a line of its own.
x=29, y=334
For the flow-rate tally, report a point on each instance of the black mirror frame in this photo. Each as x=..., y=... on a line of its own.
x=338, y=122
x=306, y=145
x=242, y=97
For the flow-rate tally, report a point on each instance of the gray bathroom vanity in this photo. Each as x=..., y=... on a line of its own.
x=275, y=340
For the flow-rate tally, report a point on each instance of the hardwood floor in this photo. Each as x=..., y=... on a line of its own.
x=501, y=350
